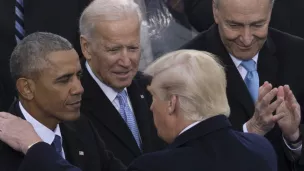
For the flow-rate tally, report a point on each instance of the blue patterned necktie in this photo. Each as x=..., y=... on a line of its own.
x=57, y=144
x=252, y=78
x=19, y=22
x=128, y=116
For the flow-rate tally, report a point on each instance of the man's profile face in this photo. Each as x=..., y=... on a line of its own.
x=58, y=89
x=243, y=25
x=116, y=54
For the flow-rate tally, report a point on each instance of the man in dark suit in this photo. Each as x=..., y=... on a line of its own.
x=190, y=110
x=56, y=16
x=240, y=38
x=114, y=99
x=47, y=73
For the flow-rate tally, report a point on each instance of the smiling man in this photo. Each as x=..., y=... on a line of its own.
x=47, y=73
x=264, y=69
x=115, y=99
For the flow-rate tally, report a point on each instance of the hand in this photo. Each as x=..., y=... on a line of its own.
x=290, y=108
x=16, y=132
x=263, y=119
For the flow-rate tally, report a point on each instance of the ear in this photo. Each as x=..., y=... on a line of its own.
x=172, y=107
x=215, y=12
x=84, y=44
x=26, y=88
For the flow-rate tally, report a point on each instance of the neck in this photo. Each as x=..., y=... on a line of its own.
x=43, y=117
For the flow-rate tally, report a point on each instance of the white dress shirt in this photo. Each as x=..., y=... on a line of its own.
x=243, y=73
x=44, y=133
x=189, y=126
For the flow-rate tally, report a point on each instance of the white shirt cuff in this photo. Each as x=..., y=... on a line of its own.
x=295, y=150
x=245, y=128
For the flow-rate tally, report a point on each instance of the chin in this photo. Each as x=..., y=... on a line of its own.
x=71, y=116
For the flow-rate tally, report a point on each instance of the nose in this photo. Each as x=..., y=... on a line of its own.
x=125, y=58
x=246, y=37
x=77, y=88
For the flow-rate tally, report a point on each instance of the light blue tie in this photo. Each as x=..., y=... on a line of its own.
x=252, y=78
x=19, y=22
x=57, y=144
x=128, y=116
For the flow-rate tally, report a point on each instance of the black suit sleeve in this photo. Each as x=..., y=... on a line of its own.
x=110, y=163
x=42, y=156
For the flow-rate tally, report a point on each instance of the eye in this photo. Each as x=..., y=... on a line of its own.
x=258, y=25
x=133, y=49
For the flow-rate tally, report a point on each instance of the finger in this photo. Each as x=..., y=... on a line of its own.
x=264, y=89
x=265, y=101
x=281, y=92
x=274, y=105
x=296, y=111
x=275, y=118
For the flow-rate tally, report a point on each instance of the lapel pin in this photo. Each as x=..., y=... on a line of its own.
x=81, y=153
x=142, y=96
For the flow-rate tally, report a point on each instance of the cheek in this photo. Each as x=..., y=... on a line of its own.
x=261, y=33
x=228, y=34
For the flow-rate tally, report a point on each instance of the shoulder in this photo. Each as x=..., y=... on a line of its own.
x=260, y=147
x=285, y=40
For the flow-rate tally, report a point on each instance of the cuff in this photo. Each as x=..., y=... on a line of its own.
x=245, y=128
x=295, y=150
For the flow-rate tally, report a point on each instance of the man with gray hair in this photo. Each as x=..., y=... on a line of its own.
x=264, y=73
x=115, y=99
x=47, y=71
x=190, y=110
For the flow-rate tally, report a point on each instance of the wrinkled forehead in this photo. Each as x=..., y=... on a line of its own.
x=241, y=11
x=245, y=7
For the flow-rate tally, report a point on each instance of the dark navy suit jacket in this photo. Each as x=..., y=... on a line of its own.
x=211, y=145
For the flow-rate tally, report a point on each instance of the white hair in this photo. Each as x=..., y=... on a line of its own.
x=196, y=78
x=106, y=10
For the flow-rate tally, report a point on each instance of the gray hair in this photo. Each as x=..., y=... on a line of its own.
x=216, y=3
x=196, y=77
x=30, y=55
x=106, y=10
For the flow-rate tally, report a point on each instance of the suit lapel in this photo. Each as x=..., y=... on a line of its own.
x=73, y=146
x=268, y=64
x=140, y=108
x=236, y=87
x=104, y=111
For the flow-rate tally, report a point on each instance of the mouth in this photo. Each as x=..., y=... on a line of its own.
x=75, y=104
x=122, y=74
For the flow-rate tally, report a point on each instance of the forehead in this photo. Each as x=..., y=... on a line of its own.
x=63, y=62
x=245, y=10
x=125, y=30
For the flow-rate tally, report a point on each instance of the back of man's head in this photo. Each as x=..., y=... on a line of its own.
x=196, y=78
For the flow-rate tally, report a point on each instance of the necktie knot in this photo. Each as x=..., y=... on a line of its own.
x=122, y=97
x=249, y=65
x=57, y=144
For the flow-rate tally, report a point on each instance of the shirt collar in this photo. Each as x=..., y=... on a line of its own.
x=237, y=62
x=44, y=133
x=189, y=126
x=109, y=92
